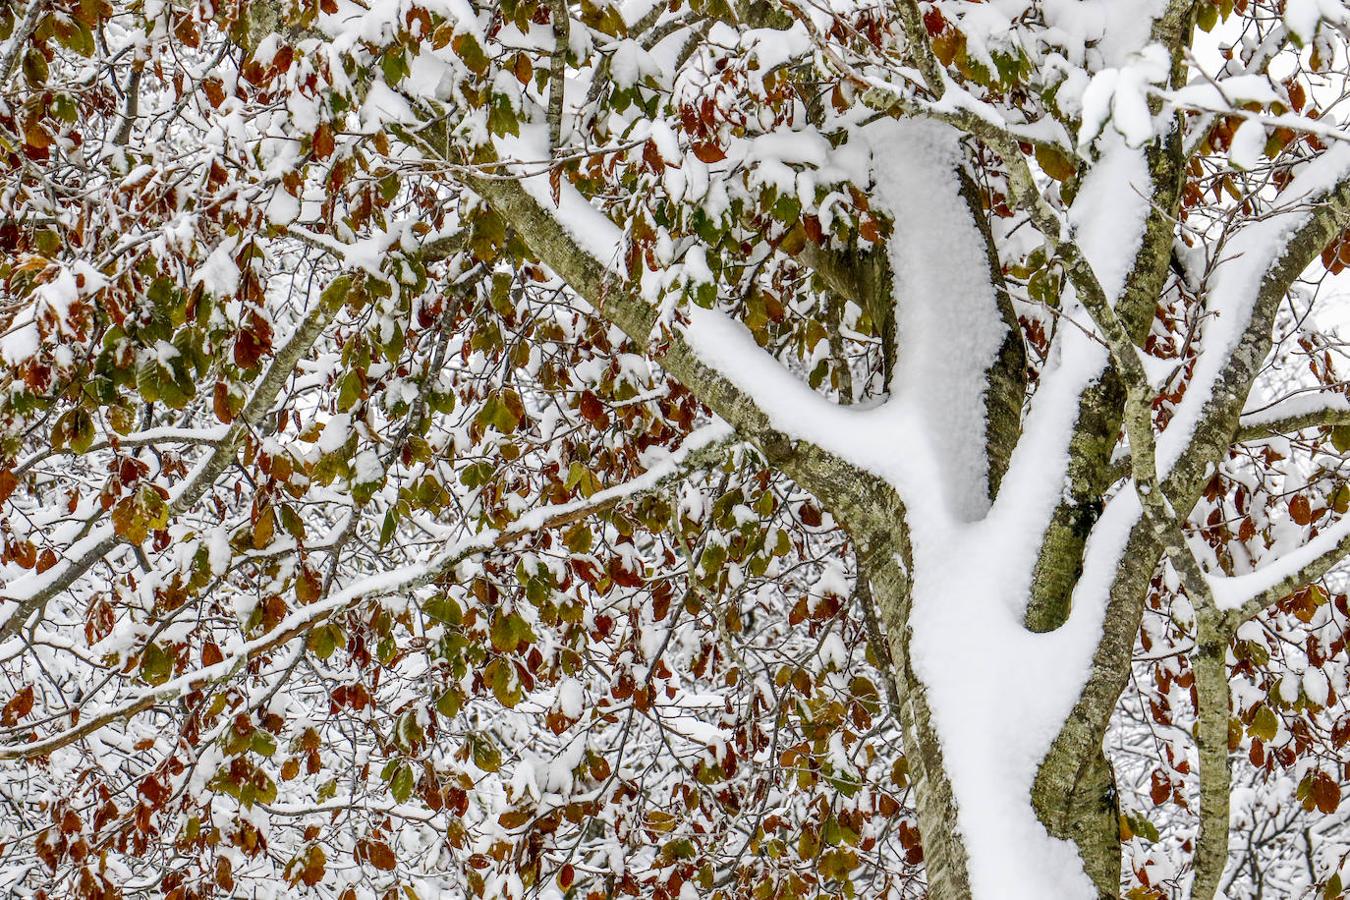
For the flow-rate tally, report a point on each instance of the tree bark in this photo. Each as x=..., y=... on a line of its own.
x=1211, y=739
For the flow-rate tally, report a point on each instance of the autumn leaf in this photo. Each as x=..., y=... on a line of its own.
x=18, y=706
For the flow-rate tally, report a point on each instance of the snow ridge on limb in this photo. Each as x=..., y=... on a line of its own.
x=942, y=293
x=1261, y=261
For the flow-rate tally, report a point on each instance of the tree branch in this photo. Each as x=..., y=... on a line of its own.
x=698, y=450
x=1241, y=597
x=919, y=49
x=1290, y=416
x=1219, y=417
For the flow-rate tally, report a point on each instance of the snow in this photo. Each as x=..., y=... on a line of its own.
x=1248, y=255
x=1316, y=686
x=1301, y=16
x=590, y=227
x=998, y=693
x=1302, y=404
x=283, y=209
x=1249, y=144
x=1116, y=190
x=1121, y=95
x=335, y=433
x=942, y=285
x=19, y=342
x=1231, y=592
x=218, y=273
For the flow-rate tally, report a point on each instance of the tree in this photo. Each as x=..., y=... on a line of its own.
x=680, y=449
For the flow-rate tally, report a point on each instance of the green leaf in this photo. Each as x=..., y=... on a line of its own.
x=1055, y=162
x=508, y=631
x=469, y=50
x=75, y=429
x=394, y=65
x=486, y=756
x=324, y=640
x=335, y=294
x=1265, y=725
x=35, y=68
x=156, y=665
x=443, y=609
x=450, y=703
x=578, y=538
x=291, y=521
x=349, y=391
x=263, y=743
x=401, y=785
x=1207, y=16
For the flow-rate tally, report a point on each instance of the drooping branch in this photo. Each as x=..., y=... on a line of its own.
x=699, y=450
x=274, y=378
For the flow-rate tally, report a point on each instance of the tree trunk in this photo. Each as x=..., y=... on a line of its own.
x=944, y=851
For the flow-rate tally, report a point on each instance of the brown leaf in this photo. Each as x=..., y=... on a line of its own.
x=1161, y=788
x=323, y=141
x=514, y=818
x=1300, y=510
x=1325, y=792
x=709, y=152
x=211, y=654
x=380, y=855
x=20, y=705
x=523, y=68
x=7, y=484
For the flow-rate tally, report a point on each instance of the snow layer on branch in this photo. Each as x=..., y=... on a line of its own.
x=588, y=226
x=1233, y=292
x=1115, y=191
x=1234, y=591
x=1302, y=404
x=947, y=320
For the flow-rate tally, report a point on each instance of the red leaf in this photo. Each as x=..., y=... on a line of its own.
x=592, y=410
